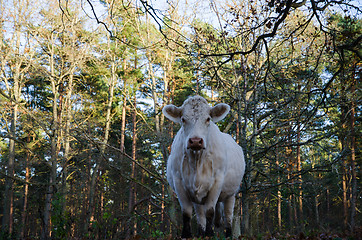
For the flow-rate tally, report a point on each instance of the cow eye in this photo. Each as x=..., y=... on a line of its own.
x=183, y=120
x=208, y=119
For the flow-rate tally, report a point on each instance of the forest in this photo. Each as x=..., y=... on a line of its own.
x=84, y=143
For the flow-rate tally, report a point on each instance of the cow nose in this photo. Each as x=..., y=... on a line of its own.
x=195, y=143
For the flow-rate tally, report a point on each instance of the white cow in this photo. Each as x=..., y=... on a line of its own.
x=205, y=167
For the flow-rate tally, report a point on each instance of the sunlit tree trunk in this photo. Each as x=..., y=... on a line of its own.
x=123, y=116
x=123, y=126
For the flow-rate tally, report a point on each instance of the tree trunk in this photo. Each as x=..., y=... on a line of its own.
x=26, y=193
x=7, y=223
x=46, y=233
x=68, y=109
x=236, y=228
x=245, y=226
x=123, y=120
x=295, y=209
x=87, y=189
x=317, y=209
x=344, y=191
x=290, y=211
x=279, y=207
x=242, y=99
x=300, y=180
x=90, y=208
x=54, y=142
x=53, y=167
x=290, y=197
x=123, y=125
x=353, y=162
x=132, y=192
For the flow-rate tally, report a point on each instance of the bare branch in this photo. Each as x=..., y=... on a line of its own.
x=282, y=16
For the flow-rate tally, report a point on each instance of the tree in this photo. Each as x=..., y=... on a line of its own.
x=16, y=60
x=63, y=45
x=347, y=71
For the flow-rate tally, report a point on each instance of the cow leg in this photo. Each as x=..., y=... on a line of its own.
x=219, y=214
x=186, y=208
x=210, y=204
x=186, y=220
x=229, y=211
x=186, y=230
x=201, y=219
x=205, y=220
x=209, y=222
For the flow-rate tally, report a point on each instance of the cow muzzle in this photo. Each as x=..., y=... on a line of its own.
x=195, y=144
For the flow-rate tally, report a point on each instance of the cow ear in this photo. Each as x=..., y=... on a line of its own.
x=219, y=111
x=173, y=113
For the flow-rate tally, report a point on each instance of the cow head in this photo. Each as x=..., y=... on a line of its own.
x=194, y=116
